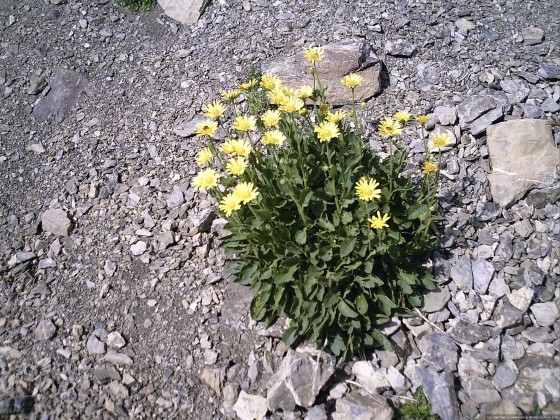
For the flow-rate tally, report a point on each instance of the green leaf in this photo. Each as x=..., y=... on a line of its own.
x=290, y=335
x=301, y=236
x=408, y=278
x=417, y=212
x=386, y=304
x=246, y=273
x=346, y=218
x=345, y=309
x=414, y=300
x=325, y=224
x=361, y=304
x=347, y=247
x=381, y=339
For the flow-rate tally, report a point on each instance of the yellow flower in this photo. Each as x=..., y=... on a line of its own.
x=215, y=110
x=390, y=127
x=304, y=92
x=245, y=192
x=271, y=118
x=206, y=128
x=336, y=117
x=205, y=179
x=326, y=131
x=203, y=156
x=429, y=166
x=441, y=140
x=231, y=94
x=245, y=123
x=276, y=96
x=314, y=54
x=236, y=166
x=241, y=147
x=229, y=204
x=422, y=119
x=352, y=80
x=367, y=190
x=379, y=222
x=274, y=138
x=228, y=147
x=248, y=85
x=292, y=104
x=270, y=81
x=403, y=116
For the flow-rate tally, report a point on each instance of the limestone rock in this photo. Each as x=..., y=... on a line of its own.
x=298, y=381
x=56, y=221
x=341, y=58
x=250, y=407
x=184, y=11
x=481, y=390
x=213, y=377
x=65, y=88
x=477, y=112
x=435, y=300
x=514, y=146
x=359, y=407
x=532, y=35
x=188, y=128
x=545, y=314
x=371, y=378
x=439, y=350
x=440, y=392
x=400, y=48
x=45, y=330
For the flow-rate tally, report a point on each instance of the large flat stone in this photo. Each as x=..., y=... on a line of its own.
x=523, y=157
x=184, y=11
x=341, y=58
x=65, y=88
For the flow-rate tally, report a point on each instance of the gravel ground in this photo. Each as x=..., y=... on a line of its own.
x=121, y=306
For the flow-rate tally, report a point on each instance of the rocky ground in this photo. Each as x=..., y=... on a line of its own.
x=113, y=299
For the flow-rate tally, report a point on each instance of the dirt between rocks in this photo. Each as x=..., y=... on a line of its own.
x=123, y=309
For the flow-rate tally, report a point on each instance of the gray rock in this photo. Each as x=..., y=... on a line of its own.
x=36, y=84
x=371, y=378
x=175, y=199
x=16, y=405
x=56, y=221
x=106, y=375
x=545, y=314
x=36, y=148
x=467, y=333
x=470, y=366
x=138, y=248
x=203, y=220
x=512, y=145
x=523, y=228
x=500, y=408
x=94, y=345
x=250, y=407
x=446, y=115
x=188, y=128
x=46, y=263
x=118, y=358
x=482, y=271
x=532, y=35
x=235, y=309
x=298, y=380
x=538, y=334
x=24, y=256
x=538, y=374
x=507, y=315
x=440, y=392
x=316, y=412
x=358, y=407
x=341, y=58
x=511, y=348
x=115, y=340
x=461, y=273
x=483, y=122
x=473, y=107
x=109, y=267
x=506, y=374
x=549, y=71
x=185, y=11
x=439, y=351
x=532, y=111
x=45, y=330
x=516, y=90
x=118, y=390
x=550, y=105
x=65, y=88
x=480, y=390
x=436, y=300
x=400, y=48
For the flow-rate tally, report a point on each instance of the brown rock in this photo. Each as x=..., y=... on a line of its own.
x=341, y=58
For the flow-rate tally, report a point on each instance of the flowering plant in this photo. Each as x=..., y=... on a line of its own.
x=325, y=231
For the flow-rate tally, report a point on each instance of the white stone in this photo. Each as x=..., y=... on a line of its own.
x=138, y=248
x=184, y=11
x=372, y=378
x=521, y=298
x=545, y=314
x=250, y=407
